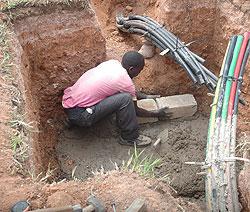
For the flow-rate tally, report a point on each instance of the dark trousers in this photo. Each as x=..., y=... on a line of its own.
x=121, y=104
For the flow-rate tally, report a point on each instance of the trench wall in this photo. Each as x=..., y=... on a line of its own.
x=57, y=46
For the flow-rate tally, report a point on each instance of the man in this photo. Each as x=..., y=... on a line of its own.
x=106, y=89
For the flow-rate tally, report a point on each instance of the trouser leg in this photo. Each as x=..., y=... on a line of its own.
x=122, y=104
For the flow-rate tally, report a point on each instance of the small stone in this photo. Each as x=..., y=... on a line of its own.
x=196, y=196
x=147, y=51
x=70, y=162
x=114, y=33
x=129, y=8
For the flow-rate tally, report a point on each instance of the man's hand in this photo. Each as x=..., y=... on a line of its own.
x=162, y=113
x=152, y=96
x=140, y=95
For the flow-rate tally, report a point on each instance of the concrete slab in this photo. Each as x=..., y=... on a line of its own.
x=147, y=104
x=180, y=105
x=137, y=206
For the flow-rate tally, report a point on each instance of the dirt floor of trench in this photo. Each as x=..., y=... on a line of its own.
x=95, y=149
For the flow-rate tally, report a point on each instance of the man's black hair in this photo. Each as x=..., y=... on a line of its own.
x=132, y=58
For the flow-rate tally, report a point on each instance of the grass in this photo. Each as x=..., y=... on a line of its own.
x=20, y=133
x=41, y=178
x=73, y=174
x=10, y=5
x=243, y=144
x=13, y=4
x=4, y=45
x=145, y=166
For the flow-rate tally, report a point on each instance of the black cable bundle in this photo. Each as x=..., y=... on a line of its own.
x=170, y=45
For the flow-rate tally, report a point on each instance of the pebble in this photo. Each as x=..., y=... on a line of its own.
x=129, y=8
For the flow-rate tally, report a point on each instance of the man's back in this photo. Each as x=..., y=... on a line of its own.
x=105, y=80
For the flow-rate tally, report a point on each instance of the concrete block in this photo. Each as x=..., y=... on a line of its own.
x=137, y=206
x=180, y=105
x=147, y=104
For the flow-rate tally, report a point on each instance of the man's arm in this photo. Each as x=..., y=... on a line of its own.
x=151, y=113
x=140, y=95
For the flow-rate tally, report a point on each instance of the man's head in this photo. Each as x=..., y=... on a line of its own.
x=133, y=62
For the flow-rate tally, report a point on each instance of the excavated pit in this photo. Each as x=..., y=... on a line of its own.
x=58, y=43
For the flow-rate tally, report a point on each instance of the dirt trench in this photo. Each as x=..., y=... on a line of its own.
x=56, y=43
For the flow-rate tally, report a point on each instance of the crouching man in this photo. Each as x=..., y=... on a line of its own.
x=107, y=89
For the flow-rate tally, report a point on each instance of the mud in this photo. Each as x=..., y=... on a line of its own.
x=95, y=149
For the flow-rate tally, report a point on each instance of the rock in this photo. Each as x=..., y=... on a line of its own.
x=147, y=104
x=179, y=105
x=129, y=8
x=147, y=51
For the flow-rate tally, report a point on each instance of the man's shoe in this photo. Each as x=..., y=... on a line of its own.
x=140, y=142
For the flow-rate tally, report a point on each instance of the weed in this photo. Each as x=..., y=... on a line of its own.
x=48, y=174
x=243, y=144
x=73, y=174
x=4, y=54
x=40, y=178
x=144, y=166
x=115, y=164
x=21, y=124
x=67, y=2
x=14, y=4
x=98, y=172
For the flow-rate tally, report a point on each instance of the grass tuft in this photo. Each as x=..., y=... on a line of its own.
x=243, y=144
x=13, y=4
x=41, y=178
x=144, y=166
x=4, y=46
x=73, y=174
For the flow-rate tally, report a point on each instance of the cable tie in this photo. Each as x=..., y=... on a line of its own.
x=213, y=104
x=164, y=52
x=201, y=173
x=232, y=159
x=211, y=94
x=233, y=79
x=188, y=44
x=196, y=163
x=194, y=41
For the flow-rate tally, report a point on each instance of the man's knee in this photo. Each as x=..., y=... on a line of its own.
x=126, y=97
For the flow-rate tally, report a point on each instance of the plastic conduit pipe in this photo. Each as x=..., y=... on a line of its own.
x=208, y=182
x=229, y=165
x=235, y=98
x=132, y=24
x=169, y=34
x=174, y=42
x=215, y=136
x=161, y=46
x=186, y=53
x=223, y=136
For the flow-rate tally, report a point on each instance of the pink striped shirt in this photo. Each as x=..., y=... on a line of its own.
x=93, y=86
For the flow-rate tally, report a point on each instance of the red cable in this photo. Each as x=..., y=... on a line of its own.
x=236, y=74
